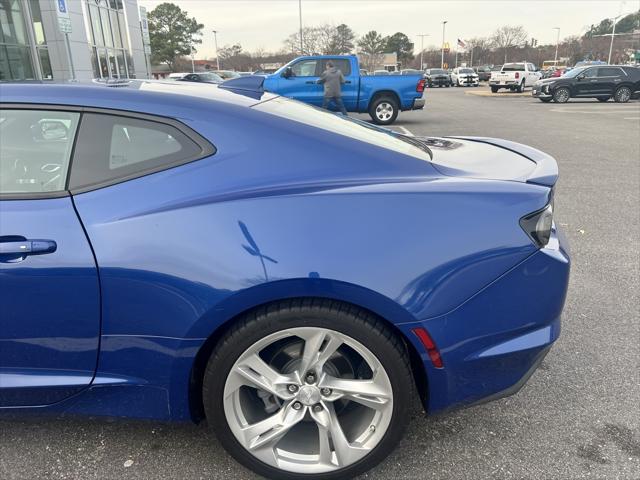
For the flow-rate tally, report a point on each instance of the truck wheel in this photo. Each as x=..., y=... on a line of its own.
x=304, y=370
x=561, y=95
x=494, y=89
x=520, y=88
x=384, y=110
x=622, y=95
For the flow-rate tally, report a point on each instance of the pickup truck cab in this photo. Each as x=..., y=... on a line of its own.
x=514, y=76
x=383, y=97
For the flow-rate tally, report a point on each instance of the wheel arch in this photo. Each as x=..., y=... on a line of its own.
x=382, y=93
x=371, y=302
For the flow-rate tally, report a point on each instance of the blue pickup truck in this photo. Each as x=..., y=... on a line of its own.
x=383, y=97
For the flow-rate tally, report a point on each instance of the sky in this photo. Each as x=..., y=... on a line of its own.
x=266, y=23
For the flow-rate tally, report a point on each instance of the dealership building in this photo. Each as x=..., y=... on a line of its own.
x=73, y=39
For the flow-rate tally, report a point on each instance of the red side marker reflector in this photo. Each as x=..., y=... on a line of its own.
x=429, y=345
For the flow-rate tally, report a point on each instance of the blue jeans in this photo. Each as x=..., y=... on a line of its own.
x=337, y=100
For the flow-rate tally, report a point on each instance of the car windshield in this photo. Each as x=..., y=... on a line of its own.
x=574, y=72
x=346, y=126
x=465, y=70
x=512, y=67
x=436, y=71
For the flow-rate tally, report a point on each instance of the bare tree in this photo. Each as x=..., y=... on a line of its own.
x=508, y=37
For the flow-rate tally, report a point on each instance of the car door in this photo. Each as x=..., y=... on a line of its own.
x=532, y=75
x=350, y=86
x=587, y=83
x=49, y=290
x=302, y=84
x=608, y=80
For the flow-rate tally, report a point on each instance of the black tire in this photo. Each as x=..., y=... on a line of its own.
x=545, y=100
x=349, y=320
x=603, y=99
x=520, y=87
x=561, y=95
x=622, y=95
x=378, y=101
x=447, y=85
x=494, y=89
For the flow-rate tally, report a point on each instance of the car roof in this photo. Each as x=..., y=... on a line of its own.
x=167, y=98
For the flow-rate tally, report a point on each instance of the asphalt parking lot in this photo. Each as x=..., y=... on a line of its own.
x=578, y=416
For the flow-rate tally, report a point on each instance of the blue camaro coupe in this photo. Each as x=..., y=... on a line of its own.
x=187, y=252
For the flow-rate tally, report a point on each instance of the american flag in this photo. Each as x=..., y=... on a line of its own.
x=461, y=43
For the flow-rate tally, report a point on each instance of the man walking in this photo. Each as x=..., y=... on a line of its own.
x=332, y=79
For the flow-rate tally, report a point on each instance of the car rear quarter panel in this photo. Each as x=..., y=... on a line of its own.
x=402, y=86
x=283, y=211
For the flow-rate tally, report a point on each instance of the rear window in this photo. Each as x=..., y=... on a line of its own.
x=436, y=71
x=342, y=64
x=319, y=118
x=513, y=67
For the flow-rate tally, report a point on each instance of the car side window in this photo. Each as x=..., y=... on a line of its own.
x=531, y=67
x=112, y=148
x=609, y=72
x=342, y=64
x=591, y=73
x=35, y=150
x=305, y=68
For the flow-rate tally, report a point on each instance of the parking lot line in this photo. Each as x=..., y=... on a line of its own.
x=406, y=131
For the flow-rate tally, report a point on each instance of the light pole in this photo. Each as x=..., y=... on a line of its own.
x=442, y=54
x=300, y=20
x=422, y=35
x=613, y=34
x=215, y=42
x=555, y=60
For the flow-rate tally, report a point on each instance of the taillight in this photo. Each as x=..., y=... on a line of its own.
x=429, y=345
x=517, y=75
x=420, y=85
x=538, y=225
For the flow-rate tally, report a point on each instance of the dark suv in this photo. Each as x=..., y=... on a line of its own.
x=438, y=76
x=484, y=73
x=601, y=82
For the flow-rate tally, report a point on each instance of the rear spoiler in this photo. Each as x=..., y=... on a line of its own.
x=546, y=171
x=252, y=83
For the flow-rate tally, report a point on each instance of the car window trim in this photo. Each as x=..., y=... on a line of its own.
x=207, y=149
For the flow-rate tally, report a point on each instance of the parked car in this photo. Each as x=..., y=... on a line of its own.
x=177, y=75
x=514, y=76
x=202, y=77
x=484, y=73
x=364, y=72
x=411, y=71
x=382, y=98
x=464, y=77
x=603, y=82
x=439, y=77
x=158, y=263
x=226, y=74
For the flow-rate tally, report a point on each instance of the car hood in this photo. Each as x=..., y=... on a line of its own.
x=547, y=81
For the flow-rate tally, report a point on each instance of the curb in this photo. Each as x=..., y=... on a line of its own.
x=484, y=93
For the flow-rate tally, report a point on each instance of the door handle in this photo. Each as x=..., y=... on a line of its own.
x=28, y=247
x=347, y=81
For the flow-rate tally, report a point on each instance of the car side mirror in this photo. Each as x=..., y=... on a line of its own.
x=287, y=73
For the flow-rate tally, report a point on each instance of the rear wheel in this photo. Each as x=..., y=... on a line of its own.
x=494, y=89
x=622, y=95
x=308, y=389
x=520, y=88
x=384, y=110
x=561, y=95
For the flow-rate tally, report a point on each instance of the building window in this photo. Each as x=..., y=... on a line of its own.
x=41, y=41
x=108, y=54
x=15, y=54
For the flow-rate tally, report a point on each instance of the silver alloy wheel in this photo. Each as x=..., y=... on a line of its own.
x=384, y=111
x=324, y=409
x=562, y=95
x=623, y=95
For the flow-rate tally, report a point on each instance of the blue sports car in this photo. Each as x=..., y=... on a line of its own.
x=181, y=252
